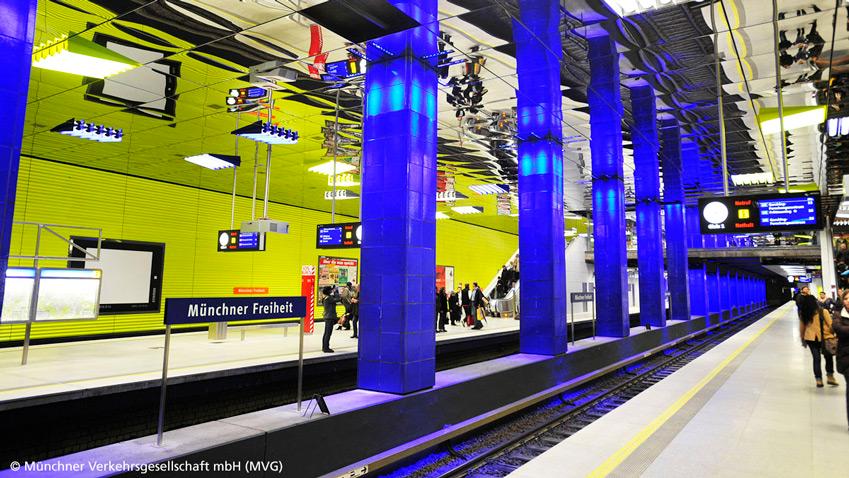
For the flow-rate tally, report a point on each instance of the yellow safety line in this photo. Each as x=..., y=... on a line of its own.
x=616, y=459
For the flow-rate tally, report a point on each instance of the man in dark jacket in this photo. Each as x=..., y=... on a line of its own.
x=329, y=300
x=466, y=301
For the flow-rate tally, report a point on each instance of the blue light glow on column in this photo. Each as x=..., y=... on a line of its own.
x=675, y=225
x=541, y=241
x=17, y=28
x=698, y=290
x=610, y=257
x=714, y=305
x=647, y=189
x=397, y=322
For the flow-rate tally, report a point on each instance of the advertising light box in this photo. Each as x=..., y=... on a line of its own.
x=347, y=235
x=759, y=213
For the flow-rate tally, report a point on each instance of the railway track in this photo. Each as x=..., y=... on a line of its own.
x=500, y=448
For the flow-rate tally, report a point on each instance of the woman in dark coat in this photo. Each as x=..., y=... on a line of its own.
x=840, y=324
x=454, y=307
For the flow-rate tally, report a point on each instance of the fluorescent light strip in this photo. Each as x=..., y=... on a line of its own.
x=267, y=133
x=490, y=188
x=442, y=215
x=215, y=161
x=327, y=168
x=752, y=179
x=810, y=116
x=78, y=56
x=341, y=194
x=625, y=8
x=448, y=196
x=90, y=131
x=467, y=209
x=342, y=180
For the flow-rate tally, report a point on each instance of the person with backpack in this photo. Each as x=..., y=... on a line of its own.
x=841, y=329
x=814, y=331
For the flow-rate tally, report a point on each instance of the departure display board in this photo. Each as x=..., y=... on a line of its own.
x=234, y=240
x=760, y=213
x=347, y=235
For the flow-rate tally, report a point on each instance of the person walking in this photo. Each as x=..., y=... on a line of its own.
x=454, y=307
x=841, y=328
x=466, y=301
x=476, y=298
x=329, y=300
x=442, y=309
x=814, y=329
x=355, y=310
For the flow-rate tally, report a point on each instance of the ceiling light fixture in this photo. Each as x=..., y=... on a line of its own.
x=94, y=132
x=467, y=209
x=449, y=196
x=624, y=8
x=79, y=56
x=490, y=188
x=342, y=180
x=267, y=133
x=341, y=194
x=327, y=169
x=795, y=117
x=752, y=179
x=215, y=161
x=442, y=215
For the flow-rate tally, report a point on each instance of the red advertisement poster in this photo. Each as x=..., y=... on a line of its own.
x=308, y=291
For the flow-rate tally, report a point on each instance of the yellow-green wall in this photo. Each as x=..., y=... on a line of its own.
x=187, y=220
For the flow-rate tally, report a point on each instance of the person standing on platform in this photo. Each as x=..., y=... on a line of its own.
x=841, y=328
x=345, y=294
x=476, y=297
x=329, y=300
x=825, y=302
x=442, y=309
x=814, y=329
x=355, y=310
x=454, y=307
x=466, y=301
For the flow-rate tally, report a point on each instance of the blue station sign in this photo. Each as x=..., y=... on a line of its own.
x=230, y=309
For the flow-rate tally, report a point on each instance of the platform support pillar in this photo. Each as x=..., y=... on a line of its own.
x=16, y=36
x=540, y=150
x=675, y=225
x=647, y=190
x=609, y=252
x=397, y=345
x=698, y=290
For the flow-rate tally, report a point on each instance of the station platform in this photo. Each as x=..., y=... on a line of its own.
x=748, y=407
x=72, y=370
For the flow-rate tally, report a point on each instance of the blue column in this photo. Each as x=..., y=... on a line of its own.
x=724, y=302
x=541, y=242
x=397, y=321
x=676, y=228
x=17, y=28
x=610, y=258
x=694, y=235
x=714, y=306
x=647, y=190
x=698, y=290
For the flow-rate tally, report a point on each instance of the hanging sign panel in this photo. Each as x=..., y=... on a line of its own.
x=760, y=213
x=345, y=235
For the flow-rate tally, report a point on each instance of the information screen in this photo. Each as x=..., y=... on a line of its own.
x=759, y=213
x=788, y=212
x=234, y=240
x=339, y=236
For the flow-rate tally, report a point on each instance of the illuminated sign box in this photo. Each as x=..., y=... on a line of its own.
x=346, y=235
x=759, y=213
